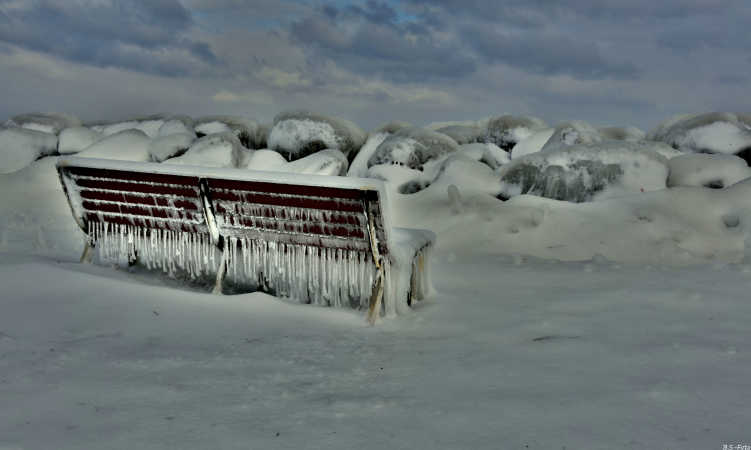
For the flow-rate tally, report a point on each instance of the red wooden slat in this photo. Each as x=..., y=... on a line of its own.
x=144, y=222
x=138, y=210
x=292, y=189
x=295, y=202
x=136, y=187
x=137, y=199
x=133, y=176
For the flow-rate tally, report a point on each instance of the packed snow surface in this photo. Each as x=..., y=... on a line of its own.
x=714, y=171
x=130, y=144
x=75, y=139
x=708, y=133
x=214, y=150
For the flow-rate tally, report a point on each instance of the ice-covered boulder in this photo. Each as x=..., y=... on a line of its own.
x=359, y=166
x=51, y=123
x=585, y=172
x=76, y=139
x=724, y=133
x=177, y=125
x=486, y=153
x=464, y=134
x=506, y=131
x=567, y=134
x=19, y=147
x=126, y=145
x=532, y=144
x=149, y=125
x=712, y=171
x=413, y=147
x=214, y=150
x=325, y=162
x=265, y=159
x=248, y=131
x=403, y=179
x=300, y=133
x=170, y=145
x=467, y=175
x=631, y=134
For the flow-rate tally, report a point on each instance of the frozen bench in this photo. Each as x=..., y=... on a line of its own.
x=320, y=239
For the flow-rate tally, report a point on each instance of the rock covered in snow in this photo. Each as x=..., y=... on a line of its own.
x=532, y=144
x=325, y=162
x=413, y=147
x=214, y=150
x=176, y=125
x=585, y=172
x=19, y=147
x=712, y=171
x=265, y=159
x=170, y=145
x=403, y=179
x=464, y=134
x=248, y=131
x=126, y=145
x=725, y=133
x=149, y=125
x=297, y=134
x=76, y=139
x=51, y=123
x=487, y=153
x=567, y=134
x=359, y=166
x=506, y=131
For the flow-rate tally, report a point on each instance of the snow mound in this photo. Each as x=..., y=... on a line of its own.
x=468, y=176
x=506, y=131
x=572, y=133
x=149, y=125
x=265, y=159
x=586, y=172
x=76, y=139
x=489, y=154
x=532, y=144
x=402, y=179
x=297, y=134
x=413, y=147
x=126, y=145
x=248, y=131
x=325, y=162
x=19, y=147
x=176, y=125
x=171, y=145
x=724, y=133
x=214, y=150
x=712, y=171
x=463, y=134
x=51, y=123
x=359, y=166
x=631, y=134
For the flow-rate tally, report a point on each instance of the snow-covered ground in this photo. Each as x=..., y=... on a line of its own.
x=618, y=322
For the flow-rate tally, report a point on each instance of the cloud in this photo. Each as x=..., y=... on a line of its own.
x=253, y=97
x=143, y=36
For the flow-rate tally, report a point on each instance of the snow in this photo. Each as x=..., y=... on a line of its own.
x=615, y=323
x=584, y=172
x=177, y=125
x=506, y=131
x=631, y=134
x=21, y=146
x=326, y=162
x=463, y=134
x=532, y=144
x=128, y=145
x=490, y=154
x=359, y=166
x=715, y=171
x=214, y=150
x=248, y=131
x=572, y=133
x=148, y=125
x=75, y=139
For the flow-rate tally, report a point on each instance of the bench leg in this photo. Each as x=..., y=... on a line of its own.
x=375, y=299
x=88, y=253
x=220, y=275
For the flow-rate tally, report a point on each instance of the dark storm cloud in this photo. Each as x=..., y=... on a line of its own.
x=143, y=36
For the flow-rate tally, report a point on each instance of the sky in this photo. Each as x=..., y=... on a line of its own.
x=609, y=62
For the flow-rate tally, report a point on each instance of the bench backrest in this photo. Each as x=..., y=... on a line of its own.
x=311, y=210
